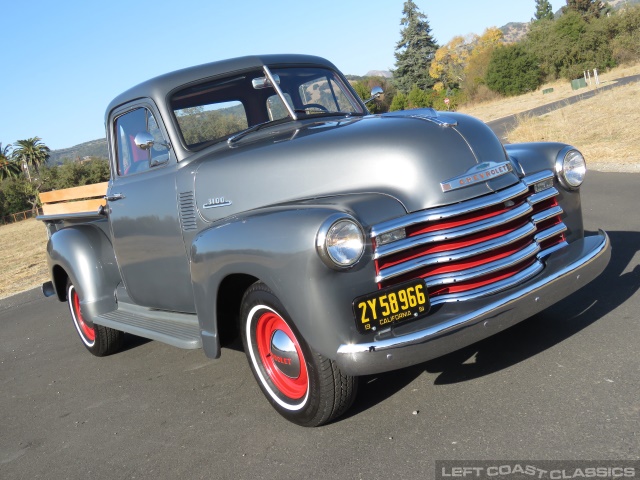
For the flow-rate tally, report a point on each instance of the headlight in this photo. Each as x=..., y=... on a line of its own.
x=571, y=168
x=340, y=242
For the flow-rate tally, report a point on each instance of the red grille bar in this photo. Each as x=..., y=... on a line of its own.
x=477, y=259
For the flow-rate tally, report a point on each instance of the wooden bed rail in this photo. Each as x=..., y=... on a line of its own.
x=87, y=198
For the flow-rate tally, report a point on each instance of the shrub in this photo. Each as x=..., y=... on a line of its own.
x=399, y=102
x=513, y=71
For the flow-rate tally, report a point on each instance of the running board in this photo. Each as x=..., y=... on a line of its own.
x=178, y=329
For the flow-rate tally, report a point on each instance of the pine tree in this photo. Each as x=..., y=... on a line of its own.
x=414, y=51
x=586, y=8
x=544, y=10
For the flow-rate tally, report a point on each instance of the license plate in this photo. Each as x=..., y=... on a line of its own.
x=391, y=306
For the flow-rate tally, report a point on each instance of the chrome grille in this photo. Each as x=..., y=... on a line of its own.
x=474, y=248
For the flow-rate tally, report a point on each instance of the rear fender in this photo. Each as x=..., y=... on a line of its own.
x=84, y=254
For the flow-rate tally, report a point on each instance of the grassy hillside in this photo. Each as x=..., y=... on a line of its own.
x=22, y=257
x=604, y=128
x=93, y=148
x=503, y=107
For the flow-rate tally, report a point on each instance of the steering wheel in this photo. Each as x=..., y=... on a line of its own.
x=317, y=106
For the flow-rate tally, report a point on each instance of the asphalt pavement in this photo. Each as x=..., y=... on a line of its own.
x=564, y=384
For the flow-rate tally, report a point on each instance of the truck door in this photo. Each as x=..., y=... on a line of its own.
x=143, y=213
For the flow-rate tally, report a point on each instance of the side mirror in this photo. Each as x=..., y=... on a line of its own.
x=375, y=93
x=144, y=140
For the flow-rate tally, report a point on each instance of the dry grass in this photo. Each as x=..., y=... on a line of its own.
x=495, y=109
x=605, y=128
x=23, y=263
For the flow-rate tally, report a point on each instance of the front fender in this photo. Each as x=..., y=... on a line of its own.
x=277, y=246
x=537, y=156
x=85, y=254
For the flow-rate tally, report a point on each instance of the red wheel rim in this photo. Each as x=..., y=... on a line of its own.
x=267, y=325
x=88, y=332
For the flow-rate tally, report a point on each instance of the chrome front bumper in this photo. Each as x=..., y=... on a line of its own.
x=566, y=271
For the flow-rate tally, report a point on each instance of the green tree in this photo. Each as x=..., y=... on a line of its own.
x=74, y=174
x=415, y=50
x=361, y=89
x=19, y=195
x=571, y=44
x=97, y=170
x=399, y=102
x=32, y=153
x=8, y=167
x=513, y=70
x=625, y=45
x=381, y=104
x=544, y=10
x=586, y=8
x=418, y=98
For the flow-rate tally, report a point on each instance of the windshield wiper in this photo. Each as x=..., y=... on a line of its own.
x=319, y=112
x=234, y=138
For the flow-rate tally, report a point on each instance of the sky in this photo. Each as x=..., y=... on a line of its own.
x=65, y=60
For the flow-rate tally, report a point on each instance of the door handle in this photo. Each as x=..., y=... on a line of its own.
x=113, y=197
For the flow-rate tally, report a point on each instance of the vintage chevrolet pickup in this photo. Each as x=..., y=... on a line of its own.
x=258, y=195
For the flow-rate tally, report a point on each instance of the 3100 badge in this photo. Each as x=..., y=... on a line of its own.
x=391, y=305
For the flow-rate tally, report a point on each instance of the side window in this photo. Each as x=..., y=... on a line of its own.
x=132, y=159
x=159, y=152
x=210, y=122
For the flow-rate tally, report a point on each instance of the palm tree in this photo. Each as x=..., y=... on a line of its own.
x=31, y=153
x=8, y=167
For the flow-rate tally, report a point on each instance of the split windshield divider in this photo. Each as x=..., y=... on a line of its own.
x=275, y=85
x=234, y=138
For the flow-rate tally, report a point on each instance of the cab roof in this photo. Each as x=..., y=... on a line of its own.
x=159, y=87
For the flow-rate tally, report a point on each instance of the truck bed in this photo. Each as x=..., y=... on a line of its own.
x=84, y=201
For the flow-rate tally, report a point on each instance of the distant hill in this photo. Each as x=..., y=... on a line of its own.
x=370, y=73
x=618, y=4
x=514, y=31
x=93, y=148
x=380, y=73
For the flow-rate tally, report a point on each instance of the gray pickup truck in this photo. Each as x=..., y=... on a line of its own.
x=258, y=197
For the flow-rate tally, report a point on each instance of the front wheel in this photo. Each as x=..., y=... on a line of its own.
x=99, y=340
x=302, y=385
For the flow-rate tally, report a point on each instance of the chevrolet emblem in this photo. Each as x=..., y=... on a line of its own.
x=480, y=173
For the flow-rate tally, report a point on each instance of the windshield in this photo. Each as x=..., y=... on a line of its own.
x=213, y=111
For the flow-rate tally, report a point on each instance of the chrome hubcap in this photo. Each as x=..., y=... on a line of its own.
x=284, y=354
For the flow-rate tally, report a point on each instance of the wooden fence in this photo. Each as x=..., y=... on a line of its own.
x=20, y=216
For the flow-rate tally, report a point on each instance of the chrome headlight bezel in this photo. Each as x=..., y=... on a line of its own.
x=571, y=168
x=334, y=228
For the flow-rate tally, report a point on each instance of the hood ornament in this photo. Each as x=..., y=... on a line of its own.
x=479, y=173
x=426, y=114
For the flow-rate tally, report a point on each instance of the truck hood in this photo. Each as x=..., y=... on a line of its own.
x=406, y=155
